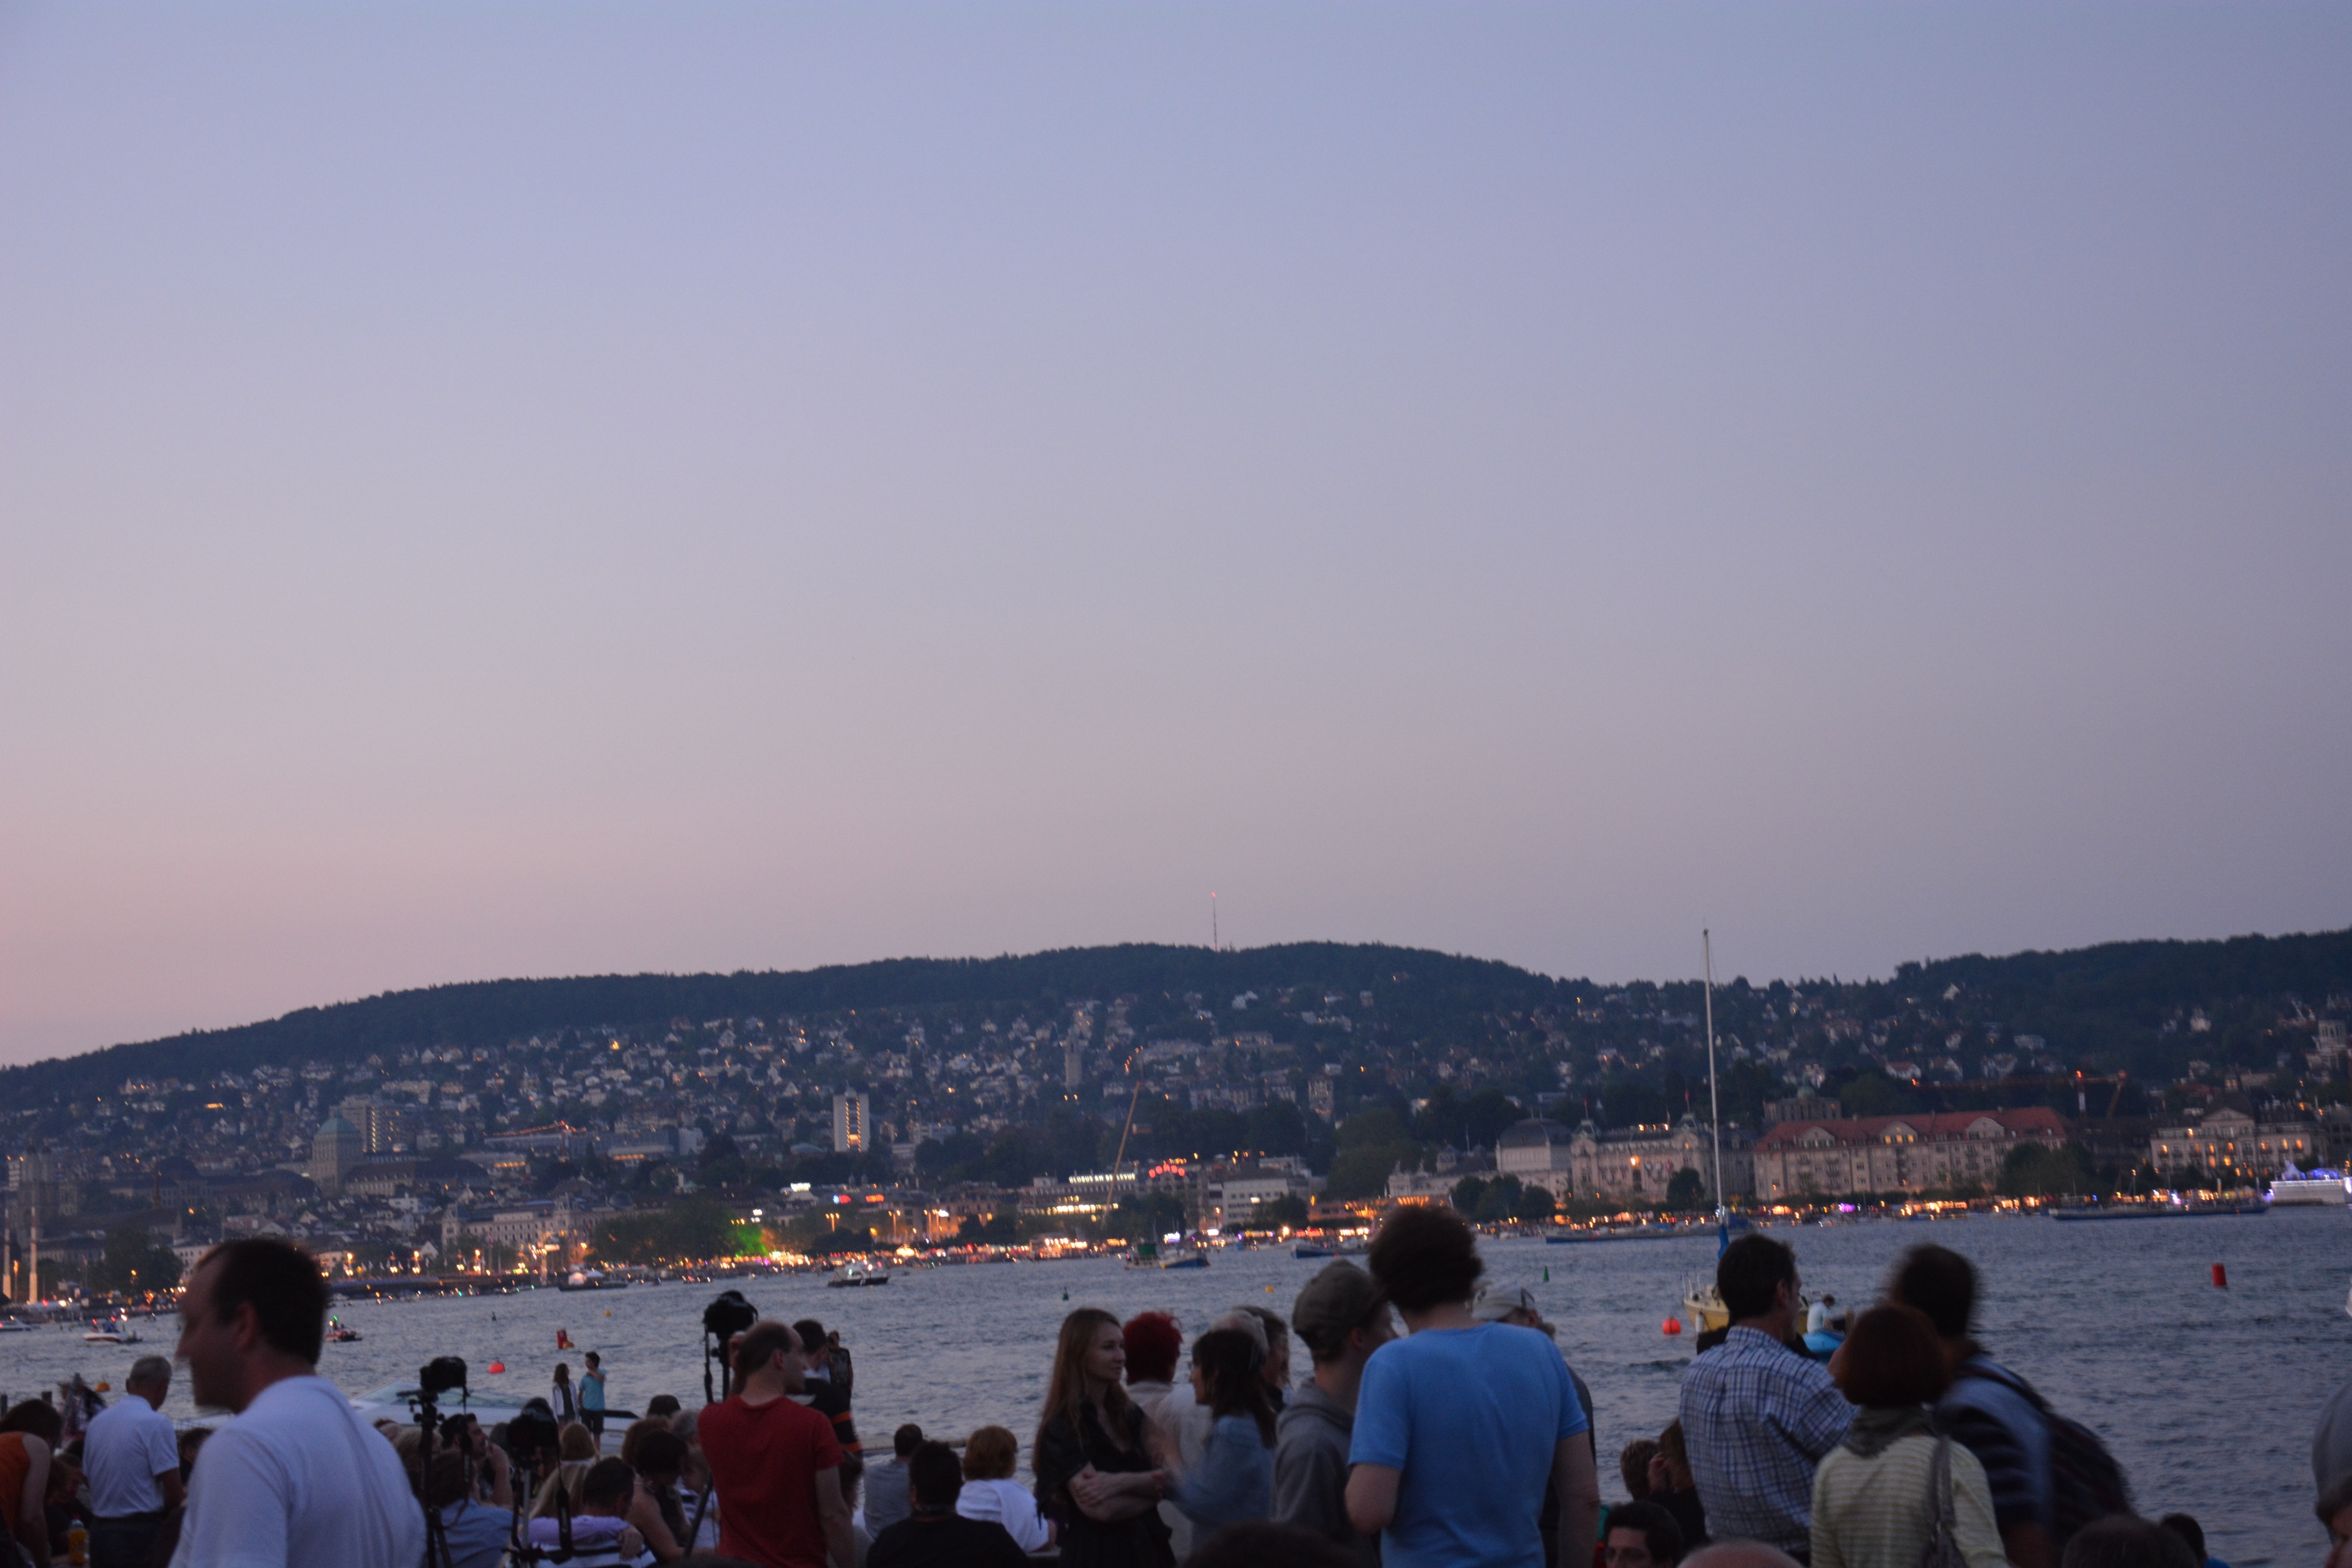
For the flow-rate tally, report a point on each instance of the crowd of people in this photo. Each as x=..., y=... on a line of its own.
x=1434, y=1421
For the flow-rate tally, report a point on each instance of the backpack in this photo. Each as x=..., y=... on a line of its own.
x=2086, y=1482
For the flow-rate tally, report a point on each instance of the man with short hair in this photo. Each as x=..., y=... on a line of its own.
x=1515, y=1305
x=297, y=1479
x=1459, y=1425
x=774, y=1462
x=1342, y=1320
x=1757, y=1417
x=592, y=1399
x=934, y=1535
x=1989, y=1410
x=886, y=1499
x=1641, y=1535
x=131, y=1455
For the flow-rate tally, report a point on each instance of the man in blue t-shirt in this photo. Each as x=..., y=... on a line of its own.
x=1459, y=1427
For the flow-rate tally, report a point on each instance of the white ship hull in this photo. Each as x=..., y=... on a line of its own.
x=2310, y=1190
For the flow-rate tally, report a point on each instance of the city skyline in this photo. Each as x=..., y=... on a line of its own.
x=545, y=494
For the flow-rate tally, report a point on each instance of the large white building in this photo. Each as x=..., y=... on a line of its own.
x=2230, y=1145
x=1637, y=1164
x=1948, y=1150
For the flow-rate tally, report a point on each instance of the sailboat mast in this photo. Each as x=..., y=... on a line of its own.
x=1713, y=1102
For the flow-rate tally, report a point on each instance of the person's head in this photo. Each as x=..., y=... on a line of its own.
x=661, y=1406
x=594, y=1360
x=255, y=1309
x=934, y=1478
x=35, y=1418
x=1261, y=1543
x=990, y=1454
x=813, y=1344
x=1756, y=1275
x=2123, y=1541
x=1089, y=1361
x=1939, y=1282
x=1642, y=1535
x=1227, y=1377
x=660, y=1457
x=1153, y=1343
x=1340, y=1315
x=562, y=1373
x=191, y=1440
x=1514, y=1304
x=451, y=1479
x=2190, y=1530
x=1633, y=1466
x=1739, y=1554
x=1674, y=1458
x=905, y=1440
x=150, y=1378
x=576, y=1441
x=608, y=1488
x=2335, y=1511
x=1892, y=1358
x=1424, y=1259
x=1276, y=1332
x=635, y=1437
x=769, y=1350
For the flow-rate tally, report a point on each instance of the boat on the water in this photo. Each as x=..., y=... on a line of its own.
x=114, y=1330
x=1624, y=1233
x=591, y=1279
x=2191, y=1210
x=338, y=1333
x=2295, y=1188
x=850, y=1275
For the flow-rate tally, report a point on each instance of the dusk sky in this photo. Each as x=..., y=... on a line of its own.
x=544, y=489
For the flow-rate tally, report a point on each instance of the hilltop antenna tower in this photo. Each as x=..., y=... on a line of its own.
x=1213, y=923
x=1714, y=1101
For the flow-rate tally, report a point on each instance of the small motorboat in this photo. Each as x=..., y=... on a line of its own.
x=114, y=1330
x=591, y=1279
x=850, y=1276
x=337, y=1334
x=1309, y=1249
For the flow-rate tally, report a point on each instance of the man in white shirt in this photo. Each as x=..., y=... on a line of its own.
x=297, y=1479
x=132, y=1457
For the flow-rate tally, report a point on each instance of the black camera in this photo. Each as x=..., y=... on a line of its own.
x=532, y=1431
x=441, y=1375
x=727, y=1315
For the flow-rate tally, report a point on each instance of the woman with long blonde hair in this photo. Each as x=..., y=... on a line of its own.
x=1095, y=1478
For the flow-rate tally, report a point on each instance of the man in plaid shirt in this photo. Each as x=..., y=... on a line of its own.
x=1757, y=1415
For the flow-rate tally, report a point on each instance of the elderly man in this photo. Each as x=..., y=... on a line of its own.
x=132, y=1457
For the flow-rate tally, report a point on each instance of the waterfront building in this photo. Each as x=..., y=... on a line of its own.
x=1910, y=1153
x=2228, y=1144
x=1639, y=1163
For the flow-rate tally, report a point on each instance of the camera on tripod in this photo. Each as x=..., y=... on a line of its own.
x=727, y=1315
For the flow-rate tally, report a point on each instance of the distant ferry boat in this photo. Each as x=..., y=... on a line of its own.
x=591, y=1279
x=2294, y=1186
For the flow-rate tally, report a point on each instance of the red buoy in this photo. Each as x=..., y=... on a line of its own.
x=1674, y=1326
x=498, y=1366
x=2221, y=1278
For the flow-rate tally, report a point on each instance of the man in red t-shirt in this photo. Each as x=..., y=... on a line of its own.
x=774, y=1462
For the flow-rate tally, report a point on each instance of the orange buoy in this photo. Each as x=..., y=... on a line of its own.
x=2221, y=1278
x=498, y=1366
x=1673, y=1326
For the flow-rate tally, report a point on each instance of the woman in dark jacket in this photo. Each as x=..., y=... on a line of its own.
x=1095, y=1479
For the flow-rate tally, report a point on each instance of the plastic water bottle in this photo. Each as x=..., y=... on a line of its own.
x=78, y=1544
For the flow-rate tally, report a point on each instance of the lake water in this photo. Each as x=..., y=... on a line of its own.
x=2207, y=1397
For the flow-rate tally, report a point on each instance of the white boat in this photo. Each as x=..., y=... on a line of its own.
x=2306, y=1187
x=114, y=1330
x=850, y=1275
x=591, y=1279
